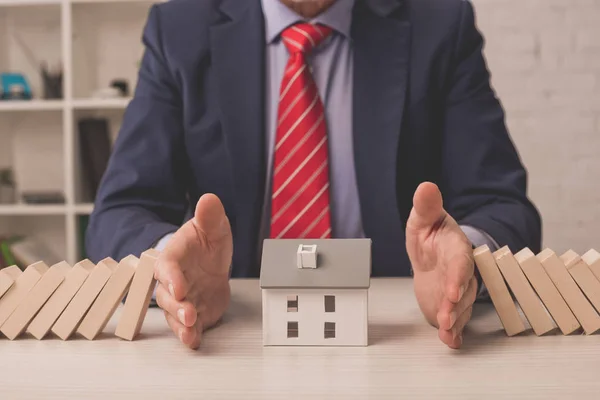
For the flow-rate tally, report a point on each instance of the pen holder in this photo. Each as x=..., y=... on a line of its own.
x=53, y=83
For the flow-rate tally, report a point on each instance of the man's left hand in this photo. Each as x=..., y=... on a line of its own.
x=443, y=266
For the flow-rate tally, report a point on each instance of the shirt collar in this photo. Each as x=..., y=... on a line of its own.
x=278, y=17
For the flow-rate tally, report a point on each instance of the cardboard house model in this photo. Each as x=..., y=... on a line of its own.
x=315, y=292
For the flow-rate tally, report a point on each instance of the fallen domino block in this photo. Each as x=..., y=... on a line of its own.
x=583, y=276
x=583, y=310
x=499, y=294
x=35, y=299
x=549, y=294
x=109, y=299
x=532, y=307
x=138, y=298
x=8, y=276
x=69, y=320
x=19, y=290
x=54, y=307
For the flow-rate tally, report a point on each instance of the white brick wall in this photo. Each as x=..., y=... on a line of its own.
x=544, y=56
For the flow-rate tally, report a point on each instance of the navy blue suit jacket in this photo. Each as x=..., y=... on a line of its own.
x=423, y=111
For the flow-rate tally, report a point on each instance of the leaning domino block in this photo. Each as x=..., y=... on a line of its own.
x=532, y=307
x=499, y=294
x=8, y=276
x=54, y=307
x=592, y=259
x=584, y=277
x=583, y=310
x=19, y=290
x=138, y=299
x=34, y=300
x=75, y=311
x=109, y=299
x=550, y=296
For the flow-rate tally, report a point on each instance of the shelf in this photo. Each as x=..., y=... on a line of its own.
x=97, y=42
x=84, y=209
x=19, y=3
x=112, y=1
x=29, y=209
x=31, y=105
x=101, y=104
x=58, y=105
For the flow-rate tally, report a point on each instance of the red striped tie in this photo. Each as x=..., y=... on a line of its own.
x=300, y=197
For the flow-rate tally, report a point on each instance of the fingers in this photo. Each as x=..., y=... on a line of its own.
x=183, y=311
x=187, y=335
x=198, y=337
x=461, y=322
x=459, y=272
x=453, y=338
x=210, y=218
x=450, y=312
x=428, y=207
x=170, y=276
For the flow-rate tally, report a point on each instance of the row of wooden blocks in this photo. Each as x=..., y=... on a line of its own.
x=83, y=298
x=552, y=291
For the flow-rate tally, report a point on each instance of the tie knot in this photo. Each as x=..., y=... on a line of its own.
x=304, y=37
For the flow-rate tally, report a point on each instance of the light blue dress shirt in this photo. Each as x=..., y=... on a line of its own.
x=332, y=68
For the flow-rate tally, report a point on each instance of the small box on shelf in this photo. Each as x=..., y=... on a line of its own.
x=107, y=48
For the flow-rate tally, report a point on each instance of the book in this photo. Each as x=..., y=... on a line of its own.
x=95, y=148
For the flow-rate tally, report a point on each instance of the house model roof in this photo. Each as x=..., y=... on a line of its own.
x=341, y=263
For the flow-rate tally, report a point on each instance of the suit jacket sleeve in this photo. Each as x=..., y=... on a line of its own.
x=142, y=195
x=484, y=182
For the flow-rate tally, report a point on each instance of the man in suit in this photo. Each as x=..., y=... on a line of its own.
x=318, y=119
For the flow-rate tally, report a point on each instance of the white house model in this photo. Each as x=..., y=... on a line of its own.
x=315, y=292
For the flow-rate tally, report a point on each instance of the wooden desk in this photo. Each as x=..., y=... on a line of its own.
x=404, y=359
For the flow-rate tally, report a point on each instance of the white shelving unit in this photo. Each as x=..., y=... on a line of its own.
x=95, y=41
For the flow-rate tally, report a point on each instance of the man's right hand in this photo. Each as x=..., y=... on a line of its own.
x=193, y=272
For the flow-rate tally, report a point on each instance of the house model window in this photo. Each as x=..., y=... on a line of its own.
x=292, y=329
x=306, y=256
x=329, y=330
x=292, y=304
x=329, y=303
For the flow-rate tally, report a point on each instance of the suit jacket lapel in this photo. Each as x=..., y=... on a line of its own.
x=237, y=54
x=381, y=60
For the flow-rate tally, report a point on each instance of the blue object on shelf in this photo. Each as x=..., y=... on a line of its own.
x=14, y=87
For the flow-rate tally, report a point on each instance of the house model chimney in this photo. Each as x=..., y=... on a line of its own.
x=307, y=256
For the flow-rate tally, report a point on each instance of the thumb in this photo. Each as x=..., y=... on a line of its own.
x=210, y=218
x=428, y=207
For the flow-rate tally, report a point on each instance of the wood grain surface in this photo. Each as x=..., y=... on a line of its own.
x=405, y=359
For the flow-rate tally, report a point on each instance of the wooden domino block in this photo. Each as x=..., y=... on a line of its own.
x=550, y=296
x=23, y=284
x=499, y=294
x=35, y=299
x=81, y=302
x=138, y=299
x=8, y=276
x=532, y=307
x=54, y=307
x=583, y=276
x=108, y=300
x=583, y=310
x=592, y=259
